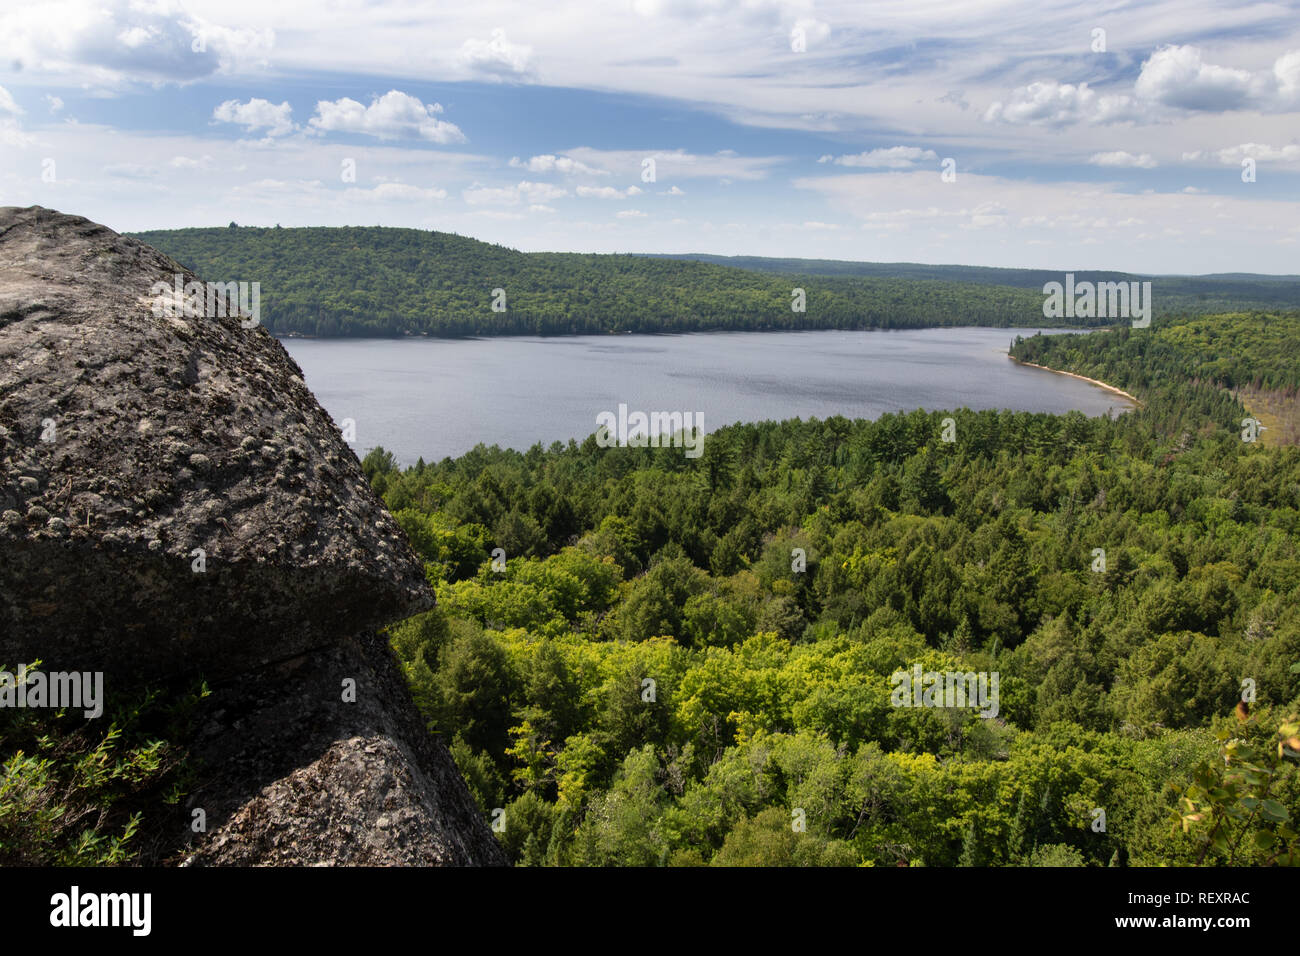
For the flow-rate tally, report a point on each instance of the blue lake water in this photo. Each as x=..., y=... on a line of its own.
x=434, y=398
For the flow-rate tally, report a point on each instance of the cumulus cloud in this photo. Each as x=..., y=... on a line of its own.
x=1233, y=155
x=1173, y=80
x=10, y=132
x=607, y=192
x=7, y=104
x=1049, y=103
x=257, y=114
x=1178, y=76
x=525, y=191
x=549, y=163
x=631, y=214
x=113, y=42
x=895, y=157
x=395, y=115
x=1121, y=158
x=497, y=57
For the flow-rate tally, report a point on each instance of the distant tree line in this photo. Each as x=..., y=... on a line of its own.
x=373, y=281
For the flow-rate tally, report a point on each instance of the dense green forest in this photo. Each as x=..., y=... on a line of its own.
x=1205, y=293
x=1227, y=351
x=677, y=661
x=1190, y=361
x=374, y=281
x=640, y=658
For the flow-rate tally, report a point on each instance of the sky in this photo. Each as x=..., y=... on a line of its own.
x=1155, y=137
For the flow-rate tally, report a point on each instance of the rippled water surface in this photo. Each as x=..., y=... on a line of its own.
x=432, y=398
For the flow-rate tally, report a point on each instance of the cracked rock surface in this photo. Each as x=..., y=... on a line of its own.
x=307, y=777
x=175, y=503
x=130, y=442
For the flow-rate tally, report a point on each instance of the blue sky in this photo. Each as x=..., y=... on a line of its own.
x=1108, y=135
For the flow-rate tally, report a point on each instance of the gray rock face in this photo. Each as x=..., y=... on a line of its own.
x=129, y=443
x=309, y=778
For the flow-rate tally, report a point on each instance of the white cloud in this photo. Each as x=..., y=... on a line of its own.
x=1059, y=104
x=186, y=162
x=55, y=102
x=131, y=171
x=11, y=133
x=1177, y=76
x=399, y=192
x=497, y=57
x=607, y=192
x=895, y=157
x=911, y=210
x=1173, y=79
x=257, y=114
x=1286, y=77
x=111, y=43
x=395, y=115
x=549, y=163
x=631, y=214
x=1233, y=155
x=525, y=191
x=676, y=163
x=7, y=104
x=1120, y=157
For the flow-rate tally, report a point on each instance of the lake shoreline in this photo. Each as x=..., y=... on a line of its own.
x=440, y=399
x=659, y=333
x=1137, y=402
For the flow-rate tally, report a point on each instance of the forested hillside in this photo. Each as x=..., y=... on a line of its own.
x=1174, y=293
x=380, y=282
x=374, y=281
x=689, y=661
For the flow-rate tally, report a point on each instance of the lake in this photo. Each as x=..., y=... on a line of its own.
x=434, y=398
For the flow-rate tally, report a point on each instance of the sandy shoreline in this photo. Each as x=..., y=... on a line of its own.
x=1110, y=388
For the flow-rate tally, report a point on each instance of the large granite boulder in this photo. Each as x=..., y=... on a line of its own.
x=131, y=440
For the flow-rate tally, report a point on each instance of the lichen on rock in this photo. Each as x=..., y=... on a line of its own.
x=175, y=502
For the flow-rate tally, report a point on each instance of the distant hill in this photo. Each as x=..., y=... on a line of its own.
x=378, y=281
x=1174, y=293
